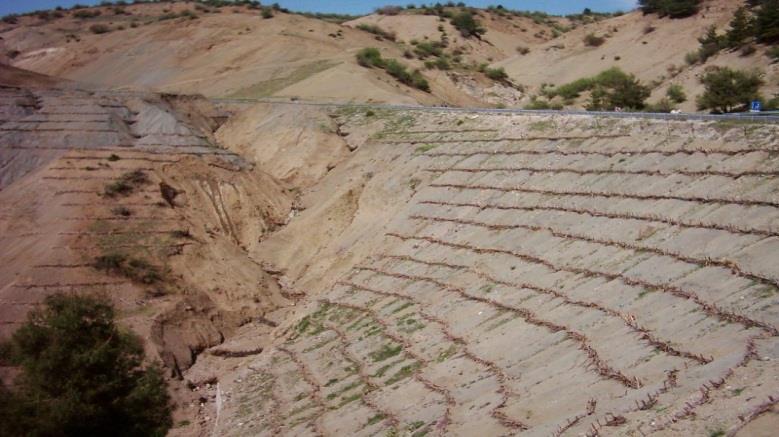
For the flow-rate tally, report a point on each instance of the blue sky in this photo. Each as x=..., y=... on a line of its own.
x=363, y=6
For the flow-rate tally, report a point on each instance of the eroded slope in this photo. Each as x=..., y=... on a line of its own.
x=548, y=275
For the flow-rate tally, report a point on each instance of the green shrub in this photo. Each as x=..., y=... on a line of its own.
x=728, y=90
x=370, y=57
x=670, y=8
x=773, y=53
x=99, y=29
x=539, y=104
x=426, y=49
x=593, y=40
x=135, y=269
x=80, y=375
x=86, y=13
x=497, y=74
x=467, y=25
x=267, y=13
x=676, y=93
x=376, y=30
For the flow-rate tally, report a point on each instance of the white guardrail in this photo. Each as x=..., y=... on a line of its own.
x=768, y=117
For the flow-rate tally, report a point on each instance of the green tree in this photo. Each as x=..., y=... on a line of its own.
x=767, y=22
x=467, y=25
x=80, y=375
x=740, y=28
x=614, y=89
x=729, y=90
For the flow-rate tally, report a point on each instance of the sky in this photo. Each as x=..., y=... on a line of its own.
x=366, y=6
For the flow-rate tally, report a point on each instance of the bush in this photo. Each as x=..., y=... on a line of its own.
x=610, y=89
x=134, y=269
x=99, y=29
x=267, y=13
x=729, y=90
x=467, y=25
x=773, y=53
x=426, y=49
x=676, y=94
x=370, y=57
x=86, y=13
x=497, y=74
x=376, y=30
x=593, y=40
x=81, y=375
x=670, y=8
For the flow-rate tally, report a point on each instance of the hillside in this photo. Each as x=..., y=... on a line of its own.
x=235, y=52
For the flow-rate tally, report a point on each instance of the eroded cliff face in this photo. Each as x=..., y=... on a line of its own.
x=130, y=195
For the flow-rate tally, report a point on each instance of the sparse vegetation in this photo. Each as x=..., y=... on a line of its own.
x=80, y=375
x=99, y=29
x=126, y=184
x=670, y=8
x=729, y=90
x=497, y=74
x=136, y=269
x=376, y=30
x=592, y=40
x=371, y=57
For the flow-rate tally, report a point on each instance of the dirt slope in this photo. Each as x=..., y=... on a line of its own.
x=550, y=275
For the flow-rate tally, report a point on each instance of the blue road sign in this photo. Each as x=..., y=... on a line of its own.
x=755, y=106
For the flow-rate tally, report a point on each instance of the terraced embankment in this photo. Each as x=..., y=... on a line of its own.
x=551, y=275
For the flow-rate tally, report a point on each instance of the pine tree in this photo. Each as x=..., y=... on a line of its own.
x=767, y=22
x=740, y=28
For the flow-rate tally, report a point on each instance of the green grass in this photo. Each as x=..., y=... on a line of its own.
x=425, y=148
x=375, y=419
x=403, y=373
x=386, y=351
x=446, y=354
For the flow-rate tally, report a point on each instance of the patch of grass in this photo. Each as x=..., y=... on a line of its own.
x=135, y=269
x=425, y=148
x=386, y=351
x=496, y=74
x=413, y=426
x=541, y=125
x=402, y=307
x=719, y=432
x=113, y=157
x=375, y=419
x=446, y=354
x=592, y=40
x=403, y=373
x=487, y=288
